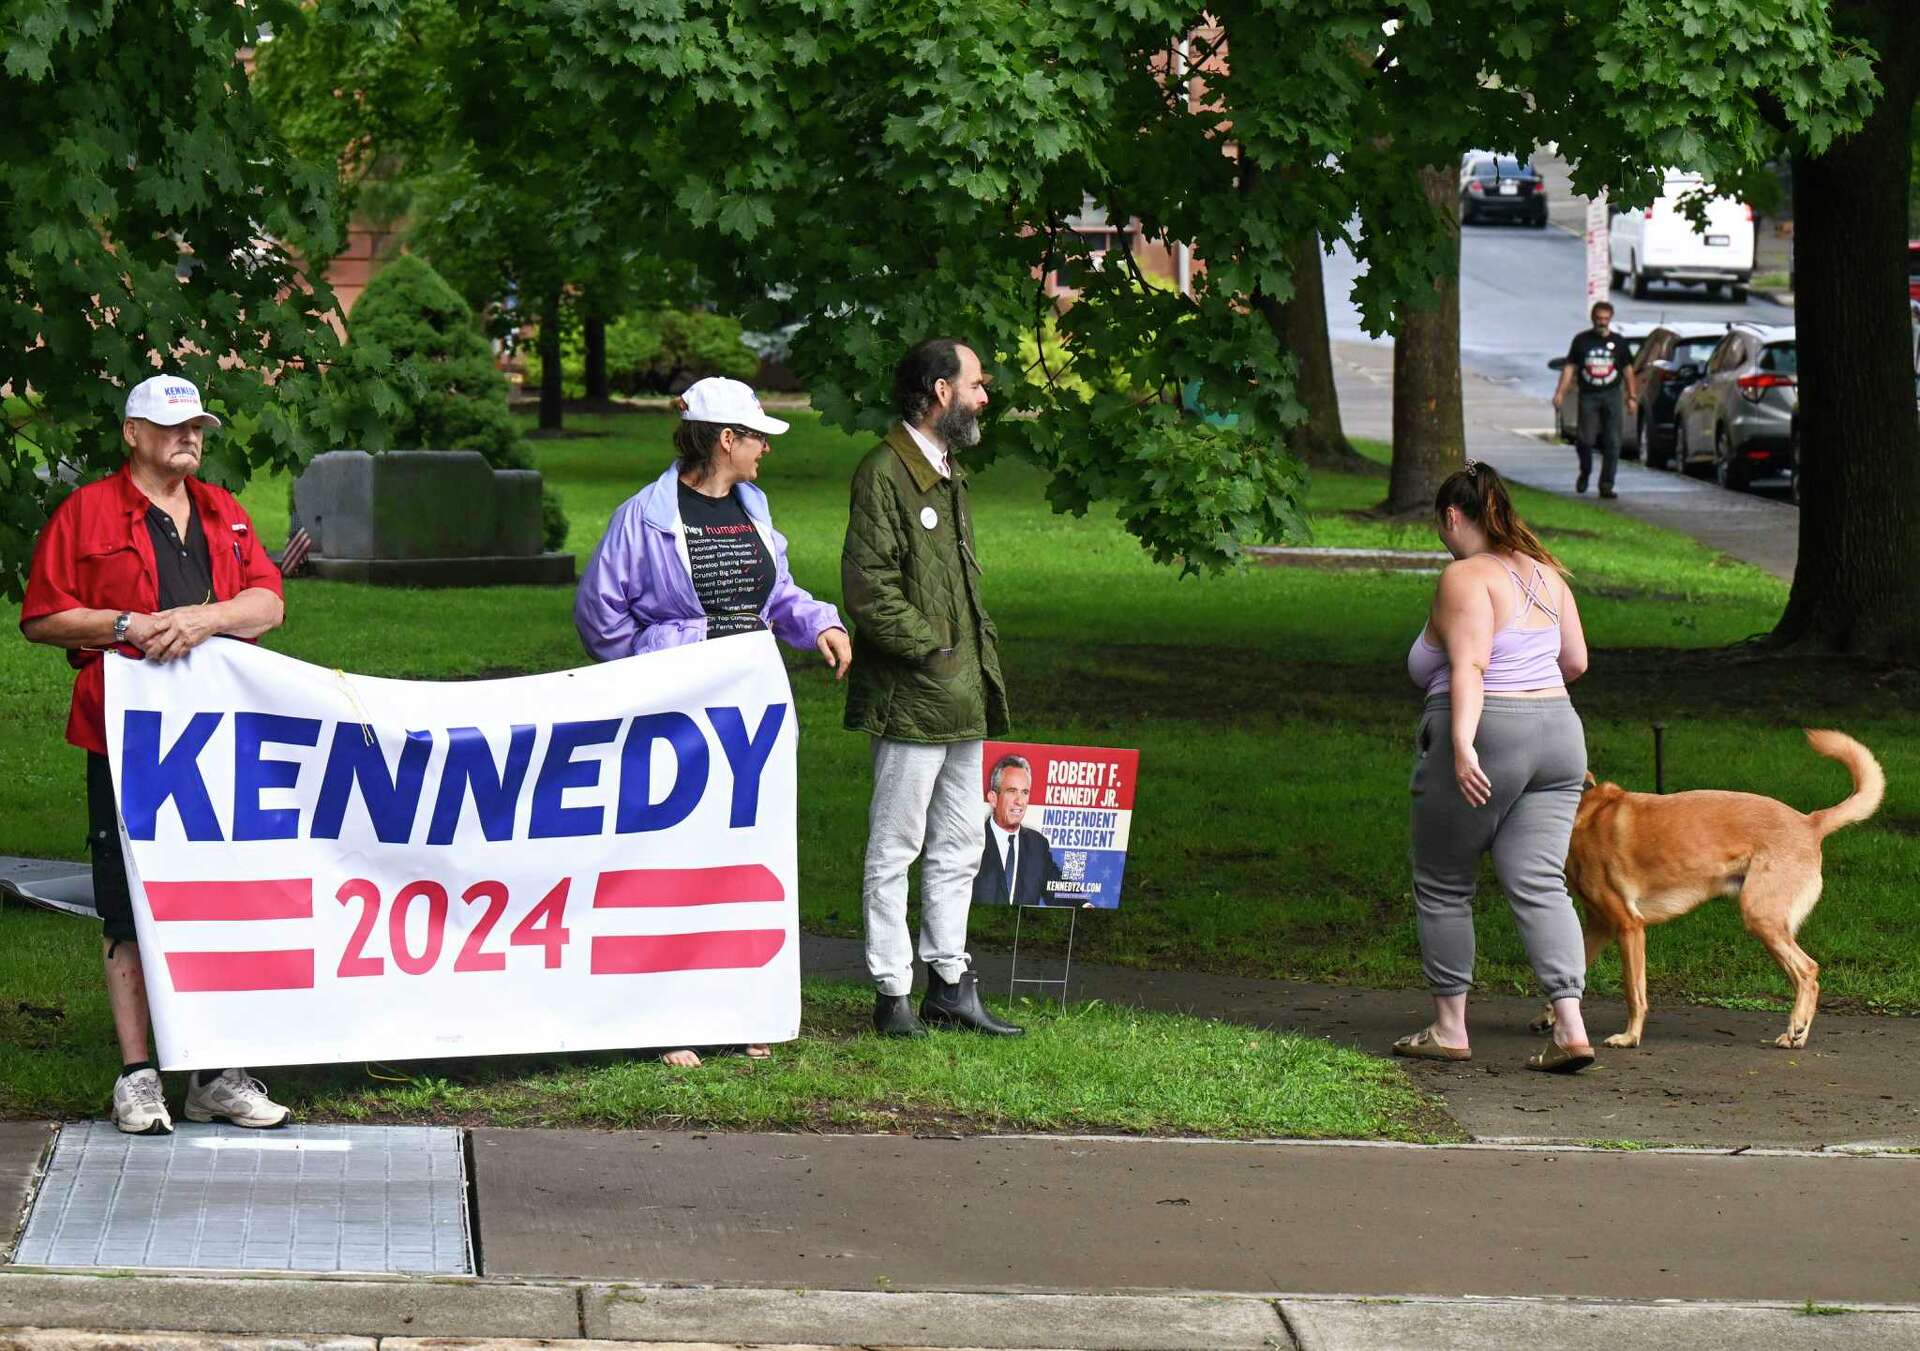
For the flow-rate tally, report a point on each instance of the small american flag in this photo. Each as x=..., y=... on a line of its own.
x=294, y=556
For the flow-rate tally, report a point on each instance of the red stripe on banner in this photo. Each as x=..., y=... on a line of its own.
x=218, y=972
x=728, y=949
x=291, y=898
x=686, y=886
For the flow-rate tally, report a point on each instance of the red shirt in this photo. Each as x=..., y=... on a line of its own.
x=95, y=554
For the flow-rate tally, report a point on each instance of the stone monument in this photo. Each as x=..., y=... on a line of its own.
x=424, y=518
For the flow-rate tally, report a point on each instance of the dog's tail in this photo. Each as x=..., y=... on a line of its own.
x=1869, y=782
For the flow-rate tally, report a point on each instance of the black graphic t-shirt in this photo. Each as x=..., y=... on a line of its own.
x=732, y=568
x=1599, y=363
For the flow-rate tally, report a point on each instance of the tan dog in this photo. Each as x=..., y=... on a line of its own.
x=1643, y=858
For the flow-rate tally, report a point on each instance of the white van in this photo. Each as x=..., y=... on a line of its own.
x=1659, y=243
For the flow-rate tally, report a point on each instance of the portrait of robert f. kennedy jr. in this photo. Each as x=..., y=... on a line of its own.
x=1017, y=863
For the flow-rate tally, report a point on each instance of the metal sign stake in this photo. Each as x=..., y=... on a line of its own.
x=1066, y=972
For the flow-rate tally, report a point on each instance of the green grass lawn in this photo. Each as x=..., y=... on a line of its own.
x=1092, y=1067
x=1270, y=705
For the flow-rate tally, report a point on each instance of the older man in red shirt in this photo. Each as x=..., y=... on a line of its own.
x=150, y=563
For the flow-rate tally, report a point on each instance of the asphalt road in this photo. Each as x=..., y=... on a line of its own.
x=1523, y=297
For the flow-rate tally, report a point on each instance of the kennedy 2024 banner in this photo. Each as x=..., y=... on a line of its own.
x=333, y=867
x=1062, y=815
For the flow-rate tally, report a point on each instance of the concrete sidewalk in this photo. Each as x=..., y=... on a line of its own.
x=1513, y=431
x=1152, y=1217
x=1034, y=1242
x=559, y=1213
x=283, y=1315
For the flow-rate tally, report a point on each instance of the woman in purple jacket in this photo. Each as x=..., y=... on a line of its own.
x=694, y=555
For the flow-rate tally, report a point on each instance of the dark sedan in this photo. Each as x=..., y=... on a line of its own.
x=1501, y=187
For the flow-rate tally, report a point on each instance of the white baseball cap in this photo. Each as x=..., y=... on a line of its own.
x=168, y=400
x=715, y=399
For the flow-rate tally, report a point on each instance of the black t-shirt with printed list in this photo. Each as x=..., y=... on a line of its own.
x=732, y=568
x=1599, y=362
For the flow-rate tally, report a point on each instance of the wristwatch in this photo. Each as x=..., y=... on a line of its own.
x=120, y=622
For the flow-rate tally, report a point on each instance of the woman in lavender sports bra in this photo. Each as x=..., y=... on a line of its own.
x=1502, y=763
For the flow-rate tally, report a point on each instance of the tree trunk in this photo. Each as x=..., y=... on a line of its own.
x=1301, y=326
x=552, y=383
x=1429, y=423
x=1856, y=587
x=594, y=339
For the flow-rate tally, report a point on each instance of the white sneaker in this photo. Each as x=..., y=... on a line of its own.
x=138, y=1107
x=235, y=1096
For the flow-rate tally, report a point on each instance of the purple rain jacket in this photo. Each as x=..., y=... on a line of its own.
x=637, y=592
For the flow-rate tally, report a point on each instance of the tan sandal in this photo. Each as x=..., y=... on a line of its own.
x=1558, y=1059
x=1423, y=1045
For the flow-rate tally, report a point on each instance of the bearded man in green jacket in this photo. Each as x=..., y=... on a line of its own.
x=925, y=685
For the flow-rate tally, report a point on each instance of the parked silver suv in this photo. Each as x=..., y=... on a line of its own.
x=1739, y=417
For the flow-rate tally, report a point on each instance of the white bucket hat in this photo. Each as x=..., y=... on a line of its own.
x=732, y=402
x=168, y=400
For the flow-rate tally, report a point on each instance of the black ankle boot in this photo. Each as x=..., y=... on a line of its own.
x=893, y=1016
x=958, y=1005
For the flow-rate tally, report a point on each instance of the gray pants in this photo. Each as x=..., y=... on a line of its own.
x=1534, y=752
x=1603, y=419
x=929, y=803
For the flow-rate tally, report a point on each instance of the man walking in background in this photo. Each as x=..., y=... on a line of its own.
x=925, y=685
x=1600, y=364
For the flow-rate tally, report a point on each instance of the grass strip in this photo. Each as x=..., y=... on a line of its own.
x=1090, y=1067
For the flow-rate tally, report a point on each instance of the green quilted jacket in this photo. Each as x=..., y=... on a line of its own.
x=926, y=659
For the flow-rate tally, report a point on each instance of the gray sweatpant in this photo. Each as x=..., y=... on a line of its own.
x=928, y=803
x=1534, y=752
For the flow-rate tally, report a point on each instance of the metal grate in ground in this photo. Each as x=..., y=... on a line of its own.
x=216, y=1197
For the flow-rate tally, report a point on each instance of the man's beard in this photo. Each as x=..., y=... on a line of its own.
x=958, y=427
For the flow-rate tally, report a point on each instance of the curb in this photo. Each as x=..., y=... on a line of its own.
x=565, y=1311
x=1591, y=1325
x=352, y=1314
x=1899, y=1150
x=451, y=1307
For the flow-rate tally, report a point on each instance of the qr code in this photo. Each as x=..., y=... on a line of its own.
x=1073, y=866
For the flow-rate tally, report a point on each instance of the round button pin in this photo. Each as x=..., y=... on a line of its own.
x=929, y=517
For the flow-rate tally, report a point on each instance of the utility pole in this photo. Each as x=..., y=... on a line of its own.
x=1599, y=263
